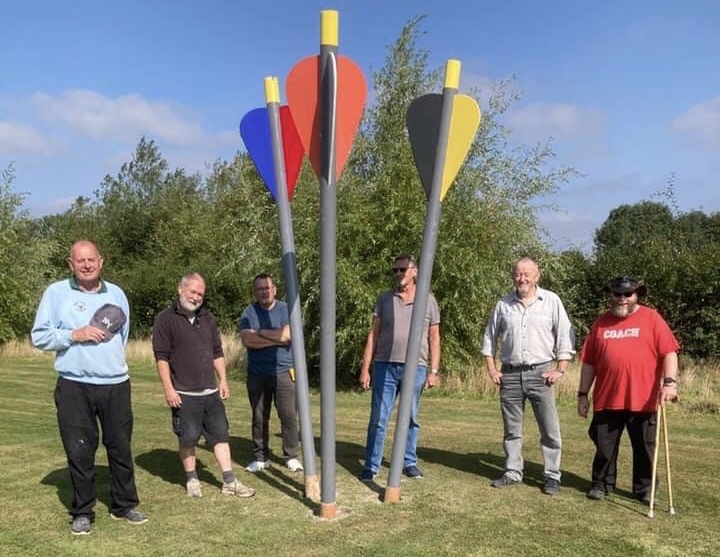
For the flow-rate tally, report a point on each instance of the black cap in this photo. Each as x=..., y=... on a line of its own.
x=626, y=285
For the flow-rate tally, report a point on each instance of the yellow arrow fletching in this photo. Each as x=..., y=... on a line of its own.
x=464, y=122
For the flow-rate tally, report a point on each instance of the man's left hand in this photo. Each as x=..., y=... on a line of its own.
x=432, y=380
x=224, y=390
x=552, y=376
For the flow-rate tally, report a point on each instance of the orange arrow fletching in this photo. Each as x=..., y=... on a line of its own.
x=302, y=90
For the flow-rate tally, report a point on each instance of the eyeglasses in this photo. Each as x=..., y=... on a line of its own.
x=623, y=294
x=400, y=270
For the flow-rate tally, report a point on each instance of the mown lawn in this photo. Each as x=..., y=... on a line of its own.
x=451, y=512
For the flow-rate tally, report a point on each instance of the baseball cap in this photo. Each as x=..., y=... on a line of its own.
x=110, y=318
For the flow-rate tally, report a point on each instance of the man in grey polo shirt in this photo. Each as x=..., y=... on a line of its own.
x=537, y=342
x=386, y=348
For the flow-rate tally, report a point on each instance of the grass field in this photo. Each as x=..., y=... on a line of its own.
x=451, y=512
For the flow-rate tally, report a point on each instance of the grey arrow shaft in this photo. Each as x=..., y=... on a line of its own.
x=422, y=291
x=289, y=265
x=328, y=268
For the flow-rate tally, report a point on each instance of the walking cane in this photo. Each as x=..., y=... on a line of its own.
x=671, y=509
x=660, y=413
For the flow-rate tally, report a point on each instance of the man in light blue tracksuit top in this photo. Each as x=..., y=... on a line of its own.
x=84, y=320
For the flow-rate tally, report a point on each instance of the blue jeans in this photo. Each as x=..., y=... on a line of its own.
x=515, y=389
x=386, y=385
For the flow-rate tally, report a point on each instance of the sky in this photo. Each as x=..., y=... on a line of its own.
x=627, y=91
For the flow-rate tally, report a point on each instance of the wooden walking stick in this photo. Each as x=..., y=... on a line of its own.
x=651, y=512
x=663, y=413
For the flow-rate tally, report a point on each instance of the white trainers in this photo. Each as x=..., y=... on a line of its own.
x=193, y=488
x=238, y=489
x=257, y=465
x=294, y=465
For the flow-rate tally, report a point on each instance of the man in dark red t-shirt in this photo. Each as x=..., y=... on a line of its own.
x=631, y=356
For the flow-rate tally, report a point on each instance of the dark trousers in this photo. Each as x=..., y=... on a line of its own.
x=262, y=390
x=80, y=406
x=605, y=430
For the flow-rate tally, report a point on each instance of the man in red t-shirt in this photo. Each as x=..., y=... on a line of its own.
x=629, y=352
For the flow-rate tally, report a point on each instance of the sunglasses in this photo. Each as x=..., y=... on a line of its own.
x=399, y=270
x=623, y=294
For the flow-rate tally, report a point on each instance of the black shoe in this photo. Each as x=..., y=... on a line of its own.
x=504, y=481
x=644, y=498
x=366, y=475
x=596, y=494
x=551, y=487
x=413, y=472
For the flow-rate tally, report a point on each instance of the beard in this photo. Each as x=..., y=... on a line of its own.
x=623, y=310
x=187, y=306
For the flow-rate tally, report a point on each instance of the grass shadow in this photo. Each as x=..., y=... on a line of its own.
x=491, y=466
x=60, y=479
x=241, y=450
x=165, y=464
x=276, y=476
x=290, y=483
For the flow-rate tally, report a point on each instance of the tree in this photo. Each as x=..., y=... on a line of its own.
x=677, y=256
x=154, y=223
x=487, y=217
x=23, y=262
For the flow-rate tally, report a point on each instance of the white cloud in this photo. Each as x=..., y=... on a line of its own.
x=538, y=121
x=21, y=139
x=229, y=139
x=127, y=117
x=48, y=206
x=475, y=78
x=701, y=121
x=569, y=229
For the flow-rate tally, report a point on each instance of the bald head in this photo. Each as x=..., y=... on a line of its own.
x=86, y=264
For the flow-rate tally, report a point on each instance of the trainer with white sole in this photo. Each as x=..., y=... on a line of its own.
x=191, y=364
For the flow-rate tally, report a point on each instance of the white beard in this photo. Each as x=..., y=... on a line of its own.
x=623, y=310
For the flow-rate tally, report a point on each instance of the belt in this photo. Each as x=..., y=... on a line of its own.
x=526, y=367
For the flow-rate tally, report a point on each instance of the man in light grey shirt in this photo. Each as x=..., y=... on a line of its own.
x=536, y=344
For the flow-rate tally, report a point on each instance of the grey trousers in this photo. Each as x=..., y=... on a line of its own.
x=262, y=391
x=518, y=386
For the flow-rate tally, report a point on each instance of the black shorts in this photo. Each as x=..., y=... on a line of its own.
x=201, y=415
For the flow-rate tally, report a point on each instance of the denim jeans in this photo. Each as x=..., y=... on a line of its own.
x=386, y=385
x=517, y=387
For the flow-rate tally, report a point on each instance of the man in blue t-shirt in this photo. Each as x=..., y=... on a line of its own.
x=265, y=333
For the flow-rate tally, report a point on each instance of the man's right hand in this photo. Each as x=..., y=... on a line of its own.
x=88, y=333
x=172, y=398
x=364, y=379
